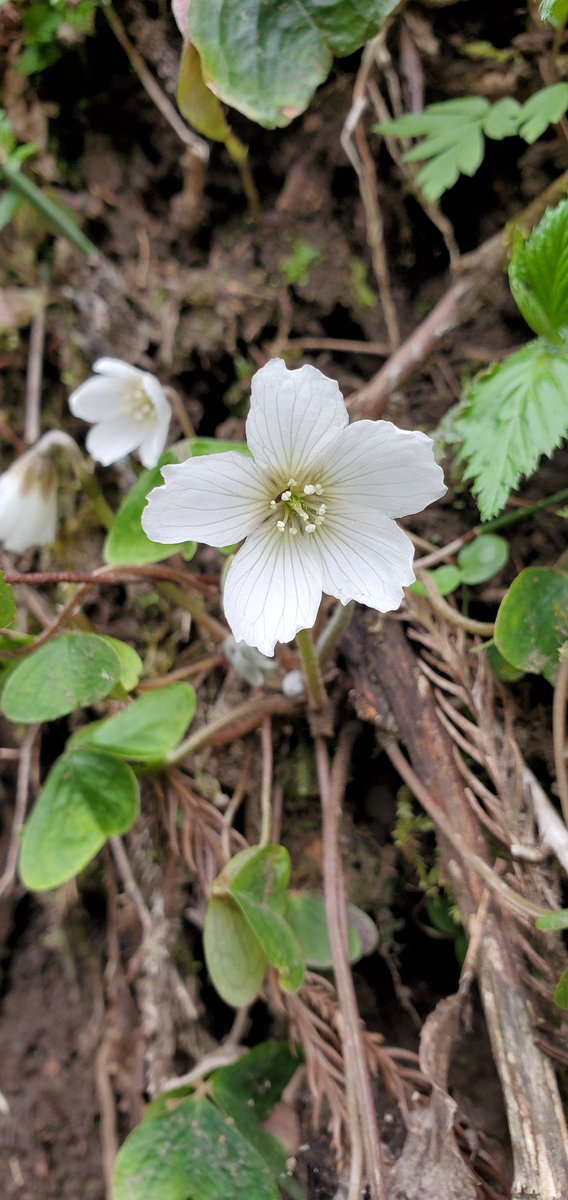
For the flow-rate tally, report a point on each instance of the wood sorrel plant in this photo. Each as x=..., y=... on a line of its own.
x=314, y=507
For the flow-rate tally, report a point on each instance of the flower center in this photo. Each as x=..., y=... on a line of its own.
x=299, y=508
x=140, y=406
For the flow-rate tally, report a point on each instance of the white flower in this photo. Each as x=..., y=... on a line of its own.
x=128, y=410
x=28, y=495
x=315, y=504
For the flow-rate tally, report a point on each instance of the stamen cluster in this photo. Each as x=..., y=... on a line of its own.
x=300, y=509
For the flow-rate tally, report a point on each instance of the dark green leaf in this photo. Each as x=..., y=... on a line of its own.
x=127, y=542
x=87, y=797
x=483, y=558
x=235, y=959
x=66, y=674
x=267, y=58
x=247, y=1092
x=148, y=728
x=192, y=1153
x=513, y=414
x=532, y=621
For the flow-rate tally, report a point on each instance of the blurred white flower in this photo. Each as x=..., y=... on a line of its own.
x=28, y=495
x=247, y=662
x=315, y=504
x=128, y=410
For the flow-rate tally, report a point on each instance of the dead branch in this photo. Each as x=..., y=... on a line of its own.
x=477, y=272
x=384, y=668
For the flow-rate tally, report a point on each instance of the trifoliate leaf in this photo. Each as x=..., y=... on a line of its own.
x=543, y=109
x=538, y=274
x=555, y=12
x=513, y=413
x=266, y=58
x=68, y=673
x=454, y=142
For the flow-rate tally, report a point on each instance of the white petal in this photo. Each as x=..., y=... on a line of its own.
x=154, y=440
x=155, y=391
x=293, y=415
x=99, y=399
x=33, y=521
x=111, y=440
x=374, y=463
x=364, y=557
x=217, y=499
x=118, y=368
x=273, y=588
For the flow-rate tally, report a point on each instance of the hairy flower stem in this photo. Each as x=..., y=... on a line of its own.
x=311, y=668
x=363, y=1126
x=331, y=636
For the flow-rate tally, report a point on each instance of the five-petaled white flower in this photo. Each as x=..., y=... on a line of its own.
x=315, y=504
x=28, y=494
x=128, y=410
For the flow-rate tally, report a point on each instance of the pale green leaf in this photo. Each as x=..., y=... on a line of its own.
x=266, y=58
x=7, y=603
x=512, y=415
x=541, y=110
x=235, y=959
x=561, y=991
x=131, y=665
x=502, y=120
x=483, y=558
x=538, y=274
x=149, y=727
x=87, y=797
x=554, y=920
x=64, y=675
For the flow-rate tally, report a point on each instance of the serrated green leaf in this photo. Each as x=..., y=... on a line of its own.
x=87, y=797
x=483, y=558
x=235, y=959
x=538, y=274
x=7, y=603
x=64, y=675
x=541, y=110
x=502, y=120
x=148, y=728
x=193, y=1152
x=266, y=58
x=532, y=621
x=512, y=415
x=453, y=139
x=127, y=543
x=555, y=12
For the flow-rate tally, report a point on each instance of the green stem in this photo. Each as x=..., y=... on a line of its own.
x=239, y=154
x=331, y=636
x=312, y=674
x=250, y=710
x=55, y=214
x=511, y=518
x=90, y=485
